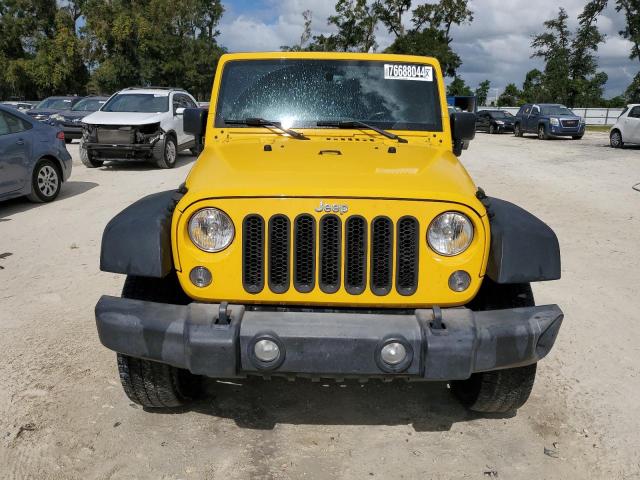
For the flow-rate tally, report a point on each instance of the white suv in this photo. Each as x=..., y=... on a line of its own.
x=627, y=127
x=143, y=124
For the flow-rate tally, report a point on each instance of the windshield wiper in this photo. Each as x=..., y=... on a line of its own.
x=261, y=122
x=359, y=124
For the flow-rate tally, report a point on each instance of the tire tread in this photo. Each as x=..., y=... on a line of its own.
x=148, y=383
x=498, y=391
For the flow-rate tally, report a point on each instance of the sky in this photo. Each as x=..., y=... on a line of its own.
x=495, y=46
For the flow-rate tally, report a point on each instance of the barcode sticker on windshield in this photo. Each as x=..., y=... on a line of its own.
x=421, y=73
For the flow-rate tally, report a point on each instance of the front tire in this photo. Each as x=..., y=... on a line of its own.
x=542, y=133
x=615, y=139
x=165, y=152
x=155, y=385
x=517, y=130
x=492, y=129
x=506, y=390
x=46, y=182
x=148, y=383
x=85, y=158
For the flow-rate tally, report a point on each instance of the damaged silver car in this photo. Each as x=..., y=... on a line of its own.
x=138, y=124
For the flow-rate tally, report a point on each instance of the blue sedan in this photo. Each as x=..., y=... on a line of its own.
x=34, y=160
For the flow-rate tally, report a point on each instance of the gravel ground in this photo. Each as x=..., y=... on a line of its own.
x=63, y=413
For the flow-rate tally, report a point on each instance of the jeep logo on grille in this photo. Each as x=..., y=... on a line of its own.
x=331, y=207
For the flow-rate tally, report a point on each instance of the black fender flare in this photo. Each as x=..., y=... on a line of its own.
x=523, y=248
x=137, y=241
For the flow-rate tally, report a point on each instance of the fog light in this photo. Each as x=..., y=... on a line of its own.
x=200, y=277
x=393, y=353
x=459, y=281
x=266, y=350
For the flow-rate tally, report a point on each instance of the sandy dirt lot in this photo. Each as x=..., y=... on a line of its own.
x=63, y=414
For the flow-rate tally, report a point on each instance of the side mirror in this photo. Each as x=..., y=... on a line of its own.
x=463, y=129
x=195, y=121
x=179, y=110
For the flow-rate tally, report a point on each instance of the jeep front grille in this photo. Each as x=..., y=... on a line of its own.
x=303, y=245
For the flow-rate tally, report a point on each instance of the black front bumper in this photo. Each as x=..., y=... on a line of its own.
x=203, y=339
x=132, y=151
x=505, y=127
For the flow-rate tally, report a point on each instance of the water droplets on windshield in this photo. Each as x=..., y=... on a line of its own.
x=300, y=93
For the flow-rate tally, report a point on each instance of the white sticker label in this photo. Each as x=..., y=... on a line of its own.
x=421, y=73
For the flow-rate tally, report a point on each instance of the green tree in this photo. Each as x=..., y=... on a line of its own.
x=152, y=42
x=356, y=23
x=631, y=11
x=431, y=32
x=390, y=13
x=553, y=46
x=570, y=74
x=482, y=92
x=458, y=87
x=428, y=42
x=586, y=84
x=58, y=65
x=443, y=15
x=24, y=24
x=533, y=88
x=305, y=36
x=632, y=94
x=510, y=97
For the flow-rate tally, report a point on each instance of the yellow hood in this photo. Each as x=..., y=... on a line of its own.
x=342, y=166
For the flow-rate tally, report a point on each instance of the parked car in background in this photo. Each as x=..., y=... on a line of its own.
x=18, y=105
x=626, y=128
x=70, y=121
x=143, y=124
x=494, y=121
x=548, y=120
x=34, y=160
x=47, y=107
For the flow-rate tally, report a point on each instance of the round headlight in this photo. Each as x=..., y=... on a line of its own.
x=450, y=233
x=211, y=230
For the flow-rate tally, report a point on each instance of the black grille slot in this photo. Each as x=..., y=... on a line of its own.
x=355, y=257
x=330, y=240
x=279, y=254
x=253, y=253
x=304, y=261
x=381, y=255
x=407, y=256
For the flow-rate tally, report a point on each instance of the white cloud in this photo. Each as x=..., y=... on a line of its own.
x=496, y=45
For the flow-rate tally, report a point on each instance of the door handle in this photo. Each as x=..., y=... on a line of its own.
x=20, y=142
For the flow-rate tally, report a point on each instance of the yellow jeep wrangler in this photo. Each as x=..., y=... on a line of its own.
x=328, y=231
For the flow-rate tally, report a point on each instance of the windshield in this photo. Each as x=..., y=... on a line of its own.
x=300, y=93
x=556, y=110
x=501, y=115
x=88, y=105
x=138, y=102
x=55, y=104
